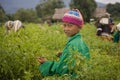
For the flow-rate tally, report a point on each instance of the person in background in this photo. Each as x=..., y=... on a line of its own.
x=116, y=38
x=72, y=24
x=105, y=27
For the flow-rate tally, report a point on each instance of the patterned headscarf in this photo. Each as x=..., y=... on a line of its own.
x=73, y=16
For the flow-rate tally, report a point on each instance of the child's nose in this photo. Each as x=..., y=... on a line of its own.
x=66, y=28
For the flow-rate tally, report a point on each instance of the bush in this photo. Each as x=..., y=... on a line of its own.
x=19, y=52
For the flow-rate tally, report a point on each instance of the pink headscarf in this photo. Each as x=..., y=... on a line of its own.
x=73, y=16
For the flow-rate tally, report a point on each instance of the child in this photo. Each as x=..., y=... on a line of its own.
x=72, y=23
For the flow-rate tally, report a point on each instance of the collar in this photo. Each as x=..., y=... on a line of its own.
x=73, y=37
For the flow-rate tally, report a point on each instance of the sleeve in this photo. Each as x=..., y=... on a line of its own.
x=45, y=68
x=99, y=30
x=50, y=68
x=84, y=50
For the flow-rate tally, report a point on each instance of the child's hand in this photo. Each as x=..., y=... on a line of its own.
x=42, y=59
x=59, y=54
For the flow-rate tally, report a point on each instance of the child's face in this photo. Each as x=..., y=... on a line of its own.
x=70, y=29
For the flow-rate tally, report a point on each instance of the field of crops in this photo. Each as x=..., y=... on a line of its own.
x=19, y=52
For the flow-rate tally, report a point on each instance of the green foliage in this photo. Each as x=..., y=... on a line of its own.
x=11, y=16
x=26, y=15
x=3, y=17
x=19, y=52
x=1, y=8
x=114, y=10
x=47, y=8
x=86, y=7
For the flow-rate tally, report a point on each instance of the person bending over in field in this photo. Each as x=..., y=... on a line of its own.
x=105, y=27
x=72, y=23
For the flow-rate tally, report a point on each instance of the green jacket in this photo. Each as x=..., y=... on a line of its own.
x=53, y=67
x=116, y=37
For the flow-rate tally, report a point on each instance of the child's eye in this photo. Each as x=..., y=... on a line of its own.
x=70, y=25
x=64, y=24
x=67, y=25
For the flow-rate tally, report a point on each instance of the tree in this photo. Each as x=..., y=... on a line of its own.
x=2, y=9
x=86, y=7
x=26, y=15
x=10, y=16
x=114, y=10
x=46, y=7
x=3, y=17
